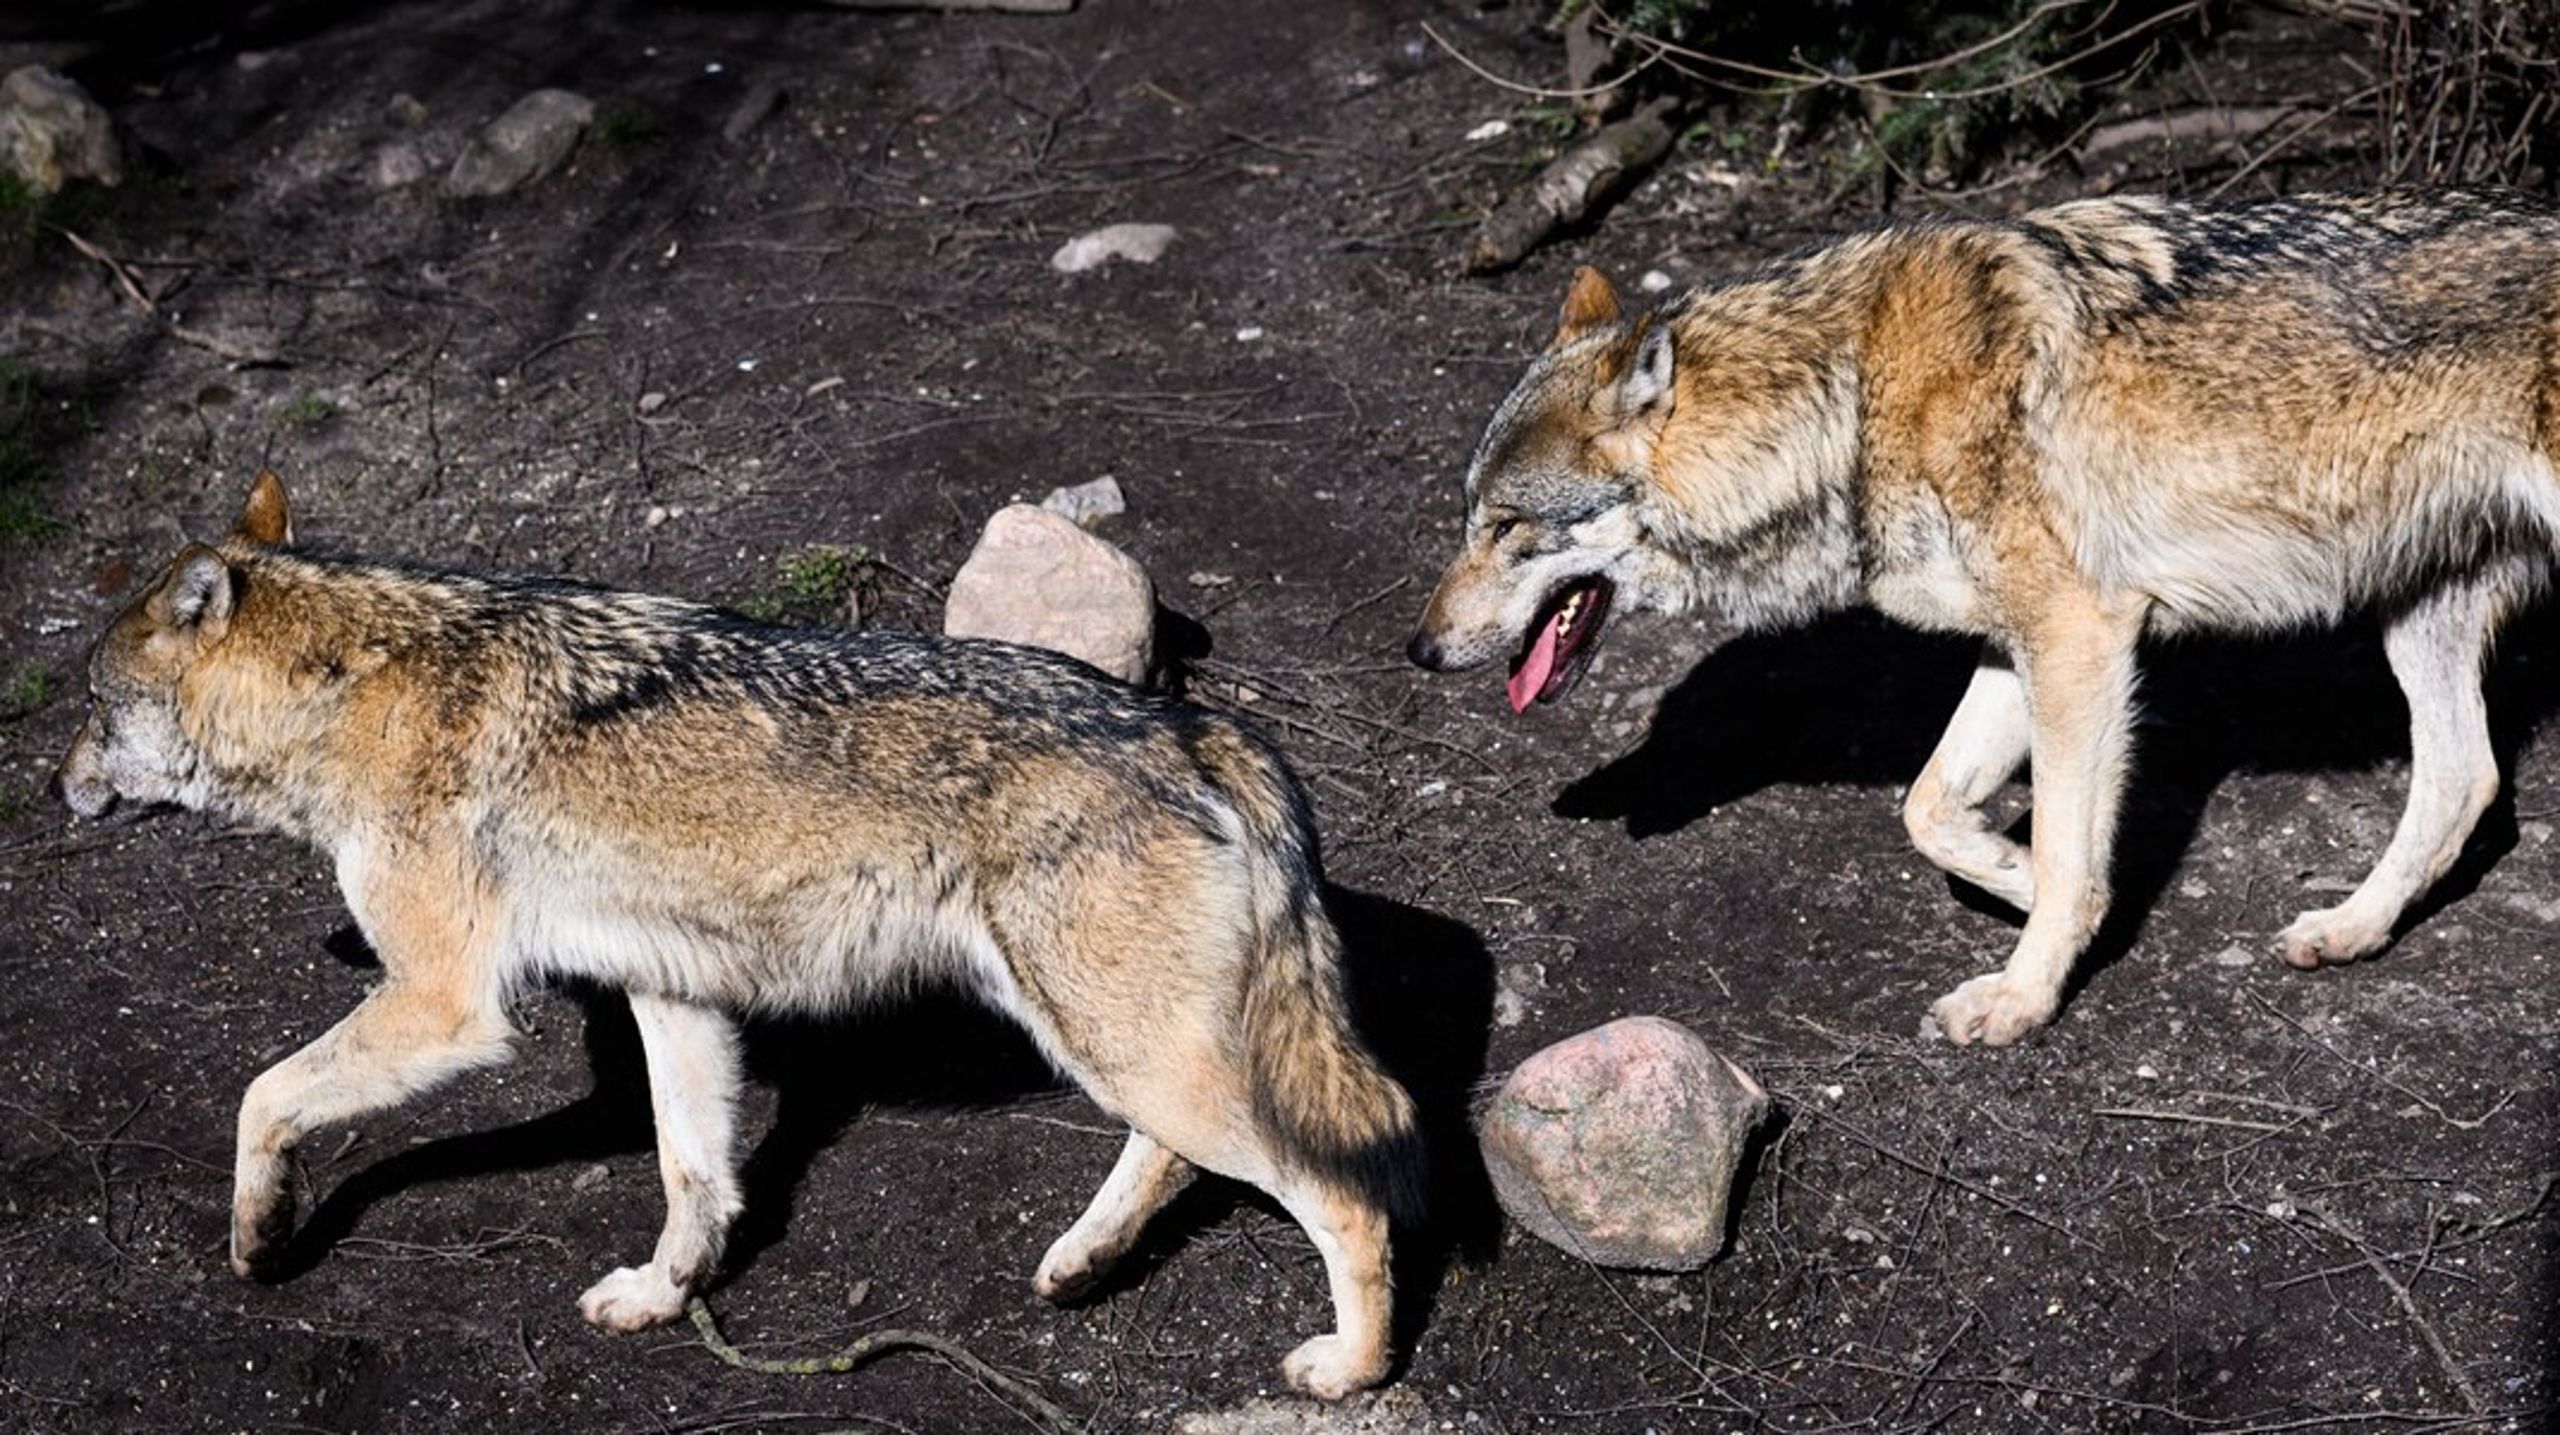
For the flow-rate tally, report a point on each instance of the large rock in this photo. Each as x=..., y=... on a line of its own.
x=1037, y=578
x=52, y=132
x=1620, y=1144
x=527, y=143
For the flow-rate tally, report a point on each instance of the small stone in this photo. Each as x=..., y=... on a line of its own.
x=1036, y=578
x=398, y=165
x=52, y=132
x=1620, y=1145
x=1655, y=281
x=531, y=140
x=592, y=1178
x=657, y=517
x=1137, y=243
x=1088, y=503
x=1249, y=334
x=2234, y=956
x=1489, y=130
x=1210, y=580
x=652, y=401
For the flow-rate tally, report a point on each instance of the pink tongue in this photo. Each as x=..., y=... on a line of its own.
x=1531, y=677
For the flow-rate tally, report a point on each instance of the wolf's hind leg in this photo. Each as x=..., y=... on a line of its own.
x=1351, y=1235
x=2436, y=650
x=1145, y=1178
x=1985, y=744
x=693, y=1089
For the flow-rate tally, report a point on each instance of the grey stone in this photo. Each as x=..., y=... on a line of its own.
x=52, y=132
x=1138, y=243
x=1037, y=578
x=531, y=140
x=399, y=164
x=1088, y=503
x=1620, y=1145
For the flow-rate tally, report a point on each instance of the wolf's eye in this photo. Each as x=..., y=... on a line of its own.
x=1503, y=528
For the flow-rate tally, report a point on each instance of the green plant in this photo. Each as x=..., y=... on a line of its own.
x=307, y=410
x=1934, y=89
x=22, y=466
x=29, y=687
x=820, y=583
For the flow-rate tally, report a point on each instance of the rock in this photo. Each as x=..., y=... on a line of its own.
x=1088, y=503
x=52, y=132
x=528, y=142
x=1037, y=578
x=1138, y=243
x=399, y=164
x=1620, y=1145
x=1396, y=1410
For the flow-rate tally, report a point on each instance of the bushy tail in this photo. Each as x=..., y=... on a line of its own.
x=1321, y=1097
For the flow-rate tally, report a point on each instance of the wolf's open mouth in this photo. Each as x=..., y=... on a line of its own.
x=1560, y=642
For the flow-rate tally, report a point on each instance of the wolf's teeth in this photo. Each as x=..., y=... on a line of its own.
x=1572, y=606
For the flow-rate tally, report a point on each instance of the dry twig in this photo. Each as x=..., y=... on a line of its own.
x=1019, y=1394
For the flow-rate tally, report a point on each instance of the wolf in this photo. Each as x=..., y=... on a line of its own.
x=2063, y=433
x=521, y=778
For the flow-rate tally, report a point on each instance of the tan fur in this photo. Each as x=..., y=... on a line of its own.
x=519, y=779
x=2099, y=421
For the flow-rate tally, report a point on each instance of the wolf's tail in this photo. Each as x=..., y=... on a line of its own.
x=1319, y=1095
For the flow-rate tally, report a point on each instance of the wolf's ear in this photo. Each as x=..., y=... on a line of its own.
x=267, y=519
x=1646, y=386
x=1589, y=304
x=196, y=595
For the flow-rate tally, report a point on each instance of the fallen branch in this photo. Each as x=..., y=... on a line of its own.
x=239, y=356
x=1576, y=183
x=1027, y=1401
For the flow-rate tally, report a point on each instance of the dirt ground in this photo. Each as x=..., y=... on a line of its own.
x=2218, y=1195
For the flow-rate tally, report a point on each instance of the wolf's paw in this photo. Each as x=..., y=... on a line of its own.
x=1072, y=1269
x=1993, y=1009
x=1329, y=1367
x=259, y=1230
x=632, y=1298
x=2331, y=936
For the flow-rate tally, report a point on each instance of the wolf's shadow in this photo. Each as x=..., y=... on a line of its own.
x=1421, y=986
x=1858, y=699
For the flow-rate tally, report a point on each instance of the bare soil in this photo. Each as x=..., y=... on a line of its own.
x=2218, y=1195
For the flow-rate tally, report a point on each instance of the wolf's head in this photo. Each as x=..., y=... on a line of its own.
x=1555, y=496
x=137, y=747
x=1645, y=463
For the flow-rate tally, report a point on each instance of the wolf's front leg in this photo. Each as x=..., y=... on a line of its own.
x=410, y=1034
x=693, y=1087
x=2080, y=673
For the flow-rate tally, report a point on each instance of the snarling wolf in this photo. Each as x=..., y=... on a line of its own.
x=2062, y=432
x=526, y=777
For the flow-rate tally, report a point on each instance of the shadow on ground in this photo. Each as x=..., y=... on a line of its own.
x=1857, y=699
x=1421, y=986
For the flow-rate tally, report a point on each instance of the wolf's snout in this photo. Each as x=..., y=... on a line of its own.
x=1425, y=652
